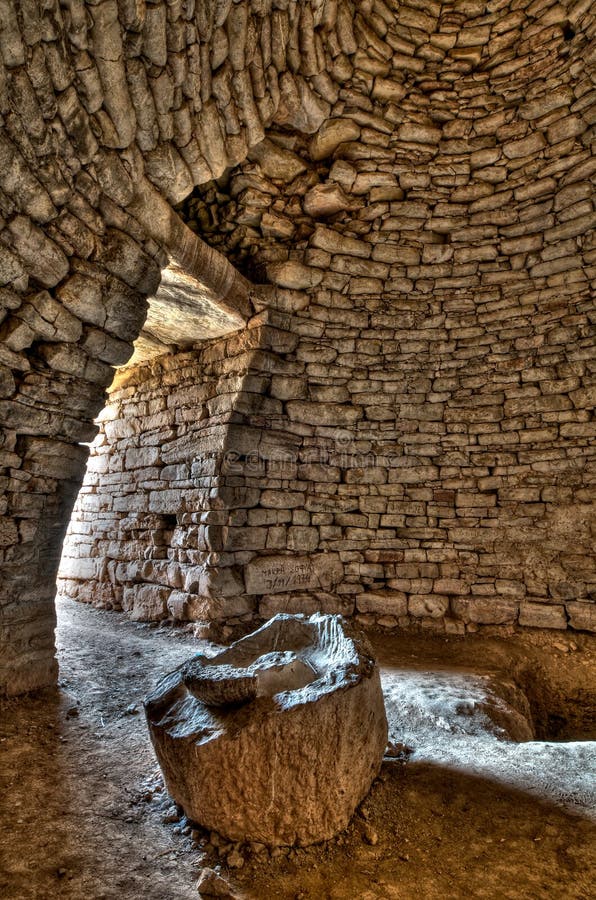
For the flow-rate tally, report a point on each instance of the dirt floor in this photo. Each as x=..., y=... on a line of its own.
x=457, y=814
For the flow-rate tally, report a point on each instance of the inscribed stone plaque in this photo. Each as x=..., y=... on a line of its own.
x=278, y=574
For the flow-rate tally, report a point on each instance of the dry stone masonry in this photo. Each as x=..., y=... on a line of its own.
x=404, y=430
x=109, y=112
x=413, y=439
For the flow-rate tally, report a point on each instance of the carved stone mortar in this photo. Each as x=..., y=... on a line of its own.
x=277, y=738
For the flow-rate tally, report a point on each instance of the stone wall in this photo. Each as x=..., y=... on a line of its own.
x=110, y=111
x=437, y=233
x=159, y=508
x=433, y=250
x=313, y=474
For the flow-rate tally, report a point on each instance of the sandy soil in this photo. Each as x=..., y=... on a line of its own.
x=459, y=813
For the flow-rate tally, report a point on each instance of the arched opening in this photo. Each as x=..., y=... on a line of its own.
x=151, y=517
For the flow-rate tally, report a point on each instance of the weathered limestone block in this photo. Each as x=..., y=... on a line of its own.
x=428, y=605
x=524, y=147
x=11, y=48
x=72, y=360
x=213, y=582
x=17, y=179
x=306, y=603
x=382, y=602
x=582, y=615
x=276, y=739
x=11, y=268
x=331, y=134
x=77, y=124
x=146, y=602
x=123, y=257
x=419, y=134
x=300, y=107
x=541, y=106
x=489, y=610
x=275, y=162
x=330, y=415
x=326, y=200
x=327, y=239
x=293, y=274
x=45, y=260
x=99, y=345
x=542, y=615
x=385, y=89
x=108, y=53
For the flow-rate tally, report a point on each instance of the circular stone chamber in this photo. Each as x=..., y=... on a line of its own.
x=276, y=739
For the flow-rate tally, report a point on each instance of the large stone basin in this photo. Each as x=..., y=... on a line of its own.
x=277, y=738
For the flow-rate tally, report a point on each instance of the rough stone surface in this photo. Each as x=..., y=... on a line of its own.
x=276, y=739
x=210, y=884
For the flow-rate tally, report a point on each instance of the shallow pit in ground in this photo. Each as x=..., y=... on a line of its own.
x=464, y=702
x=547, y=680
x=558, y=712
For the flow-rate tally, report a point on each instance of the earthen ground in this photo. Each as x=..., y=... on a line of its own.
x=82, y=807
